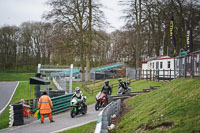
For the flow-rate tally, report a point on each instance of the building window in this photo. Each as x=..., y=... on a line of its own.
x=168, y=64
x=161, y=63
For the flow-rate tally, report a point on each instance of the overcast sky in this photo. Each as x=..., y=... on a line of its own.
x=14, y=12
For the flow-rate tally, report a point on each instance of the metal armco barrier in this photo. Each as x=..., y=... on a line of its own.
x=61, y=103
x=105, y=116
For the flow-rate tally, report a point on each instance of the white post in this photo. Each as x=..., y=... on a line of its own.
x=39, y=65
x=70, y=80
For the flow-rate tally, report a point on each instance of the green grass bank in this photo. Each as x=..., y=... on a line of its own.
x=16, y=76
x=173, y=108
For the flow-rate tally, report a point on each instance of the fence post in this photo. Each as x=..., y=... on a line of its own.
x=153, y=75
x=198, y=60
x=70, y=80
x=180, y=66
x=185, y=67
x=192, y=69
x=142, y=74
x=150, y=74
x=146, y=75
x=164, y=74
x=170, y=74
x=158, y=74
x=175, y=64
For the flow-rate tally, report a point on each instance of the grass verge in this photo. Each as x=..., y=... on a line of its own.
x=16, y=76
x=174, y=107
x=22, y=91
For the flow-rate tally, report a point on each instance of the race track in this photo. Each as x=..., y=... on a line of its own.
x=62, y=122
x=6, y=91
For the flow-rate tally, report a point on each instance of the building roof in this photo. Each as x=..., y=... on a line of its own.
x=39, y=81
x=74, y=71
x=109, y=67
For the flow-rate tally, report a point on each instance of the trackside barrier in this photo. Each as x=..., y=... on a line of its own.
x=61, y=103
x=105, y=116
x=16, y=115
x=11, y=116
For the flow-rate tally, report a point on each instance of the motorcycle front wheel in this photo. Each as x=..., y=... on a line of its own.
x=97, y=106
x=72, y=113
x=85, y=110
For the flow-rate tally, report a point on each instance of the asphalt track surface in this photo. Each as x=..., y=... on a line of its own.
x=62, y=122
x=6, y=91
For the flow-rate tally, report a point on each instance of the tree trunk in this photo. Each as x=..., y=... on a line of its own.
x=90, y=41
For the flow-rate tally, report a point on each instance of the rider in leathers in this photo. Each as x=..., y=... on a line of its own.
x=122, y=84
x=107, y=89
x=78, y=94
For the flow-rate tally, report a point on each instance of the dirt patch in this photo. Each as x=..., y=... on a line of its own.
x=162, y=126
x=124, y=110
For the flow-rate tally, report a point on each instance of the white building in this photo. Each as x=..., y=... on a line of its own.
x=158, y=67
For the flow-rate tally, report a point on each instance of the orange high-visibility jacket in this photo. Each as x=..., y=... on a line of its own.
x=45, y=104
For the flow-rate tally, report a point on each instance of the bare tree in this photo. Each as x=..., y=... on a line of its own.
x=76, y=16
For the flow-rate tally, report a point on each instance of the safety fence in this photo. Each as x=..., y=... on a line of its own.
x=61, y=103
x=106, y=115
x=155, y=75
x=188, y=65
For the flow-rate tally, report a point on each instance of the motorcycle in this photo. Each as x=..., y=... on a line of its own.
x=78, y=106
x=122, y=91
x=100, y=101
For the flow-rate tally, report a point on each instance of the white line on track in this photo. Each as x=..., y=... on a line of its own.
x=1, y=111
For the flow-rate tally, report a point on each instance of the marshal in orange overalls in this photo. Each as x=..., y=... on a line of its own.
x=45, y=105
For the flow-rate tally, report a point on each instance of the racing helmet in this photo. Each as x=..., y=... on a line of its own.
x=77, y=90
x=119, y=79
x=106, y=82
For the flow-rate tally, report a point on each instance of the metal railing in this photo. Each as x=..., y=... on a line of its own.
x=106, y=115
x=188, y=65
x=155, y=74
